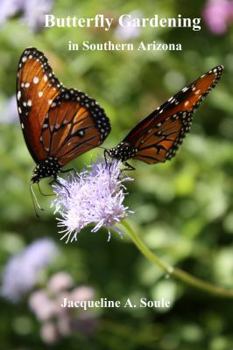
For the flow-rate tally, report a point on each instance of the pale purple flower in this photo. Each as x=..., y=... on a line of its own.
x=21, y=272
x=9, y=8
x=8, y=111
x=49, y=332
x=59, y=282
x=83, y=293
x=32, y=11
x=92, y=197
x=131, y=31
x=64, y=324
x=218, y=14
x=57, y=321
x=43, y=307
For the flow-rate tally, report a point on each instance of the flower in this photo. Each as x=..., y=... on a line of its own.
x=42, y=305
x=56, y=321
x=49, y=333
x=59, y=282
x=21, y=272
x=8, y=111
x=218, y=14
x=9, y=8
x=82, y=293
x=94, y=197
x=33, y=11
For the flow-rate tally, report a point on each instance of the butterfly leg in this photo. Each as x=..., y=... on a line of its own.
x=128, y=167
x=108, y=162
x=106, y=154
x=56, y=181
x=69, y=170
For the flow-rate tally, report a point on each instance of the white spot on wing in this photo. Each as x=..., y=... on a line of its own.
x=35, y=80
x=184, y=89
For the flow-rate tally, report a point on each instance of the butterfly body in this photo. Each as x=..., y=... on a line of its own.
x=46, y=168
x=58, y=123
x=123, y=152
x=157, y=137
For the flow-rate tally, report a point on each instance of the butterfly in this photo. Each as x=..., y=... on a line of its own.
x=156, y=138
x=58, y=123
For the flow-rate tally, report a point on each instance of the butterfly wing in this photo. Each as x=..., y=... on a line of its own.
x=74, y=124
x=157, y=137
x=36, y=89
x=56, y=122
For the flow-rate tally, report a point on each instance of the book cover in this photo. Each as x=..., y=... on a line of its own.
x=116, y=174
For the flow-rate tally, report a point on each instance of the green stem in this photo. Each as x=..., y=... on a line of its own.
x=174, y=271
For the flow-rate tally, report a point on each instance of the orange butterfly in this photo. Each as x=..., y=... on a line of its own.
x=157, y=137
x=58, y=124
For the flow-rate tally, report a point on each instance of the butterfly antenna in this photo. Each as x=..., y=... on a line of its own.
x=35, y=202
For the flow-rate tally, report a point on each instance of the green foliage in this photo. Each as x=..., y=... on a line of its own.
x=184, y=207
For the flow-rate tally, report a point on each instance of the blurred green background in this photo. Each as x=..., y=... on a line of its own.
x=184, y=208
